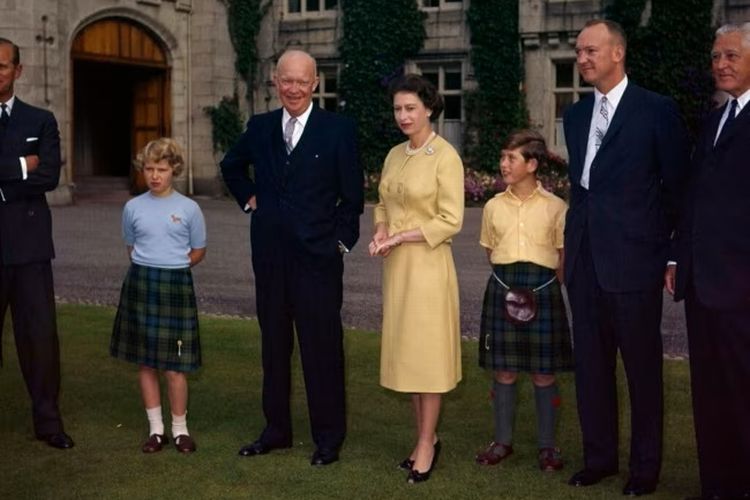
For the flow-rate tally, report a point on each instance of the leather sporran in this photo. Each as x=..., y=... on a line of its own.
x=520, y=305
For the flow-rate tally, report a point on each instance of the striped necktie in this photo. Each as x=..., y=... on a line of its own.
x=289, y=134
x=602, y=123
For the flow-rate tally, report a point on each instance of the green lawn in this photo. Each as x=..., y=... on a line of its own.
x=102, y=410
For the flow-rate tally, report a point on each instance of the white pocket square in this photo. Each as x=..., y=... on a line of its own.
x=32, y=139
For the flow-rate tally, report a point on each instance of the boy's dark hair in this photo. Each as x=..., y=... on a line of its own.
x=531, y=143
x=425, y=90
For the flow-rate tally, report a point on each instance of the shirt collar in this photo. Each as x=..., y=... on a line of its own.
x=741, y=101
x=538, y=191
x=9, y=104
x=614, y=95
x=301, y=119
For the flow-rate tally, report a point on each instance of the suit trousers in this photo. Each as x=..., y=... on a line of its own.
x=28, y=290
x=603, y=322
x=302, y=294
x=719, y=342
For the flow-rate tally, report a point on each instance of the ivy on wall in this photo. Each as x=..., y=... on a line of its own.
x=671, y=54
x=244, y=18
x=227, y=123
x=497, y=106
x=378, y=36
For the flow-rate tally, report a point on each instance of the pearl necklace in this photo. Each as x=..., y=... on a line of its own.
x=412, y=151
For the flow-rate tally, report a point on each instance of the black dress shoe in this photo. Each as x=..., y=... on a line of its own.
x=259, y=448
x=58, y=440
x=587, y=477
x=636, y=487
x=419, y=477
x=324, y=456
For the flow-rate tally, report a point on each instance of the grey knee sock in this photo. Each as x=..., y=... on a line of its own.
x=505, y=411
x=547, y=402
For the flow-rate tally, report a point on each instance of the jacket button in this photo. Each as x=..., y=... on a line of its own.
x=31, y=213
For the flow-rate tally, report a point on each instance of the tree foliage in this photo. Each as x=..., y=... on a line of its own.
x=671, y=54
x=497, y=106
x=378, y=36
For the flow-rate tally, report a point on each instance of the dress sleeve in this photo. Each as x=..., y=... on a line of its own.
x=380, y=214
x=450, y=201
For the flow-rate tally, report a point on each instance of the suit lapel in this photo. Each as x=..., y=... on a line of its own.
x=587, y=110
x=625, y=108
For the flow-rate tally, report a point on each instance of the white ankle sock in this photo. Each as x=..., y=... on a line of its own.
x=155, y=422
x=179, y=425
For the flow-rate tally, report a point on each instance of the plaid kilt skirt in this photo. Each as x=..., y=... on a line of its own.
x=157, y=320
x=541, y=346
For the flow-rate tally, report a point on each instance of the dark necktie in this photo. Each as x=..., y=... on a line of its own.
x=730, y=119
x=4, y=116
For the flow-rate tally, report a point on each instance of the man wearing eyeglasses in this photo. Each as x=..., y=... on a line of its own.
x=305, y=197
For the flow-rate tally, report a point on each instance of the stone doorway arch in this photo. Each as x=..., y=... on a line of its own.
x=121, y=100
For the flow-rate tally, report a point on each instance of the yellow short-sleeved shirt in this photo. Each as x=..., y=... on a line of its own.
x=530, y=230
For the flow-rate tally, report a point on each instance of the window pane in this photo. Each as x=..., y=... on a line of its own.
x=562, y=101
x=331, y=4
x=453, y=1
x=430, y=3
x=564, y=74
x=330, y=104
x=313, y=5
x=294, y=5
x=453, y=80
x=432, y=77
x=330, y=84
x=452, y=107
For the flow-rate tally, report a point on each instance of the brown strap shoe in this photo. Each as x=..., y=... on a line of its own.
x=494, y=454
x=184, y=444
x=550, y=459
x=155, y=443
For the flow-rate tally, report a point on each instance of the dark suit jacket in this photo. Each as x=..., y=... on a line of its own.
x=713, y=242
x=307, y=201
x=635, y=186
x=25, y=219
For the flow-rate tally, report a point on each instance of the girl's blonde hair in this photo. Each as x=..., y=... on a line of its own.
x=161, y=149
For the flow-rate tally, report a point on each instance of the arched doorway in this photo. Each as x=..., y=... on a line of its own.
x=121, y=100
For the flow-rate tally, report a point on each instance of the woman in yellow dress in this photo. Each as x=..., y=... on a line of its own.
x=421, y=205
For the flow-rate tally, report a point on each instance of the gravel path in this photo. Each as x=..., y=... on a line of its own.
x=91, y=263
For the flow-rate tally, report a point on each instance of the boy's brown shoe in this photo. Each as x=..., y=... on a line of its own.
x=550, y=459
x=494, y=454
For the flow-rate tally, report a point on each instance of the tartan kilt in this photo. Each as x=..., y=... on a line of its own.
x=157, y=320
x=541, y=346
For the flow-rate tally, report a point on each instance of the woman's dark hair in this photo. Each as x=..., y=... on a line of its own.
x=425, y=90
x=531, y=143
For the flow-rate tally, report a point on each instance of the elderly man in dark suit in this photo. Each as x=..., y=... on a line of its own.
x=306, y=196
x=29, y=166
x=713, y=275
x=628, y=148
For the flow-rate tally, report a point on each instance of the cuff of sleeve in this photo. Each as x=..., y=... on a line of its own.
x=672, y=263
x=24, y=169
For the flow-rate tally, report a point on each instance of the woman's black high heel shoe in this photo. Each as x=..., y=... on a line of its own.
x=406, y=464
x=419, y=477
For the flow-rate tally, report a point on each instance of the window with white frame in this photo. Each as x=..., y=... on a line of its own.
x=569, y=88
x=303, y=7
x=326, y=95
x=448, y=79
x=441, y=4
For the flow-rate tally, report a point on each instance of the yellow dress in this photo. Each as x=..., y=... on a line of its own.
x=421, y=340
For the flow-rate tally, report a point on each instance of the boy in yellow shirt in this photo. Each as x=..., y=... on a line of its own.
x=524, y=325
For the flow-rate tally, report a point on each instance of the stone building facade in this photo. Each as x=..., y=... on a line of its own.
x=118, y=72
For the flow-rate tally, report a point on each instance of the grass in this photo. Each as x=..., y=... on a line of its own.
x=102, y=410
